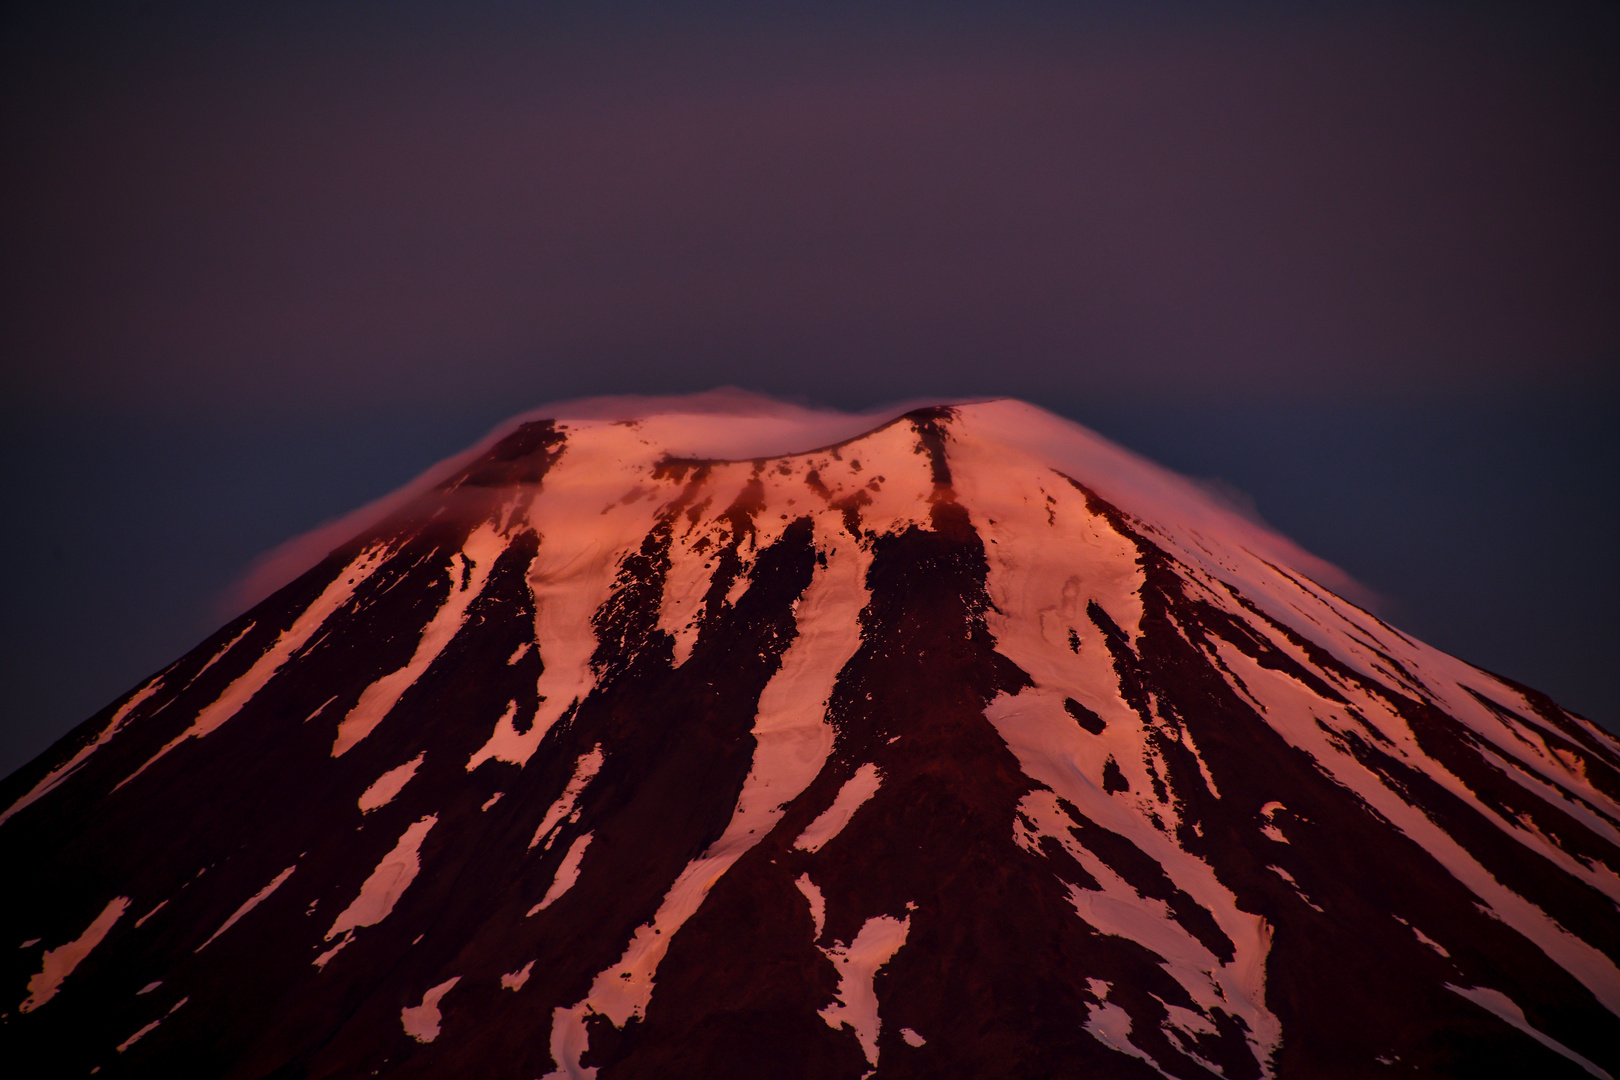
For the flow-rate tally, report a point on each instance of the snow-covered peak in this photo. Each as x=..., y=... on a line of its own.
x=714, y=736
x=736, y=425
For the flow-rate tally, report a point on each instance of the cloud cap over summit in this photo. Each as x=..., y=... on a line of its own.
x=730, y=424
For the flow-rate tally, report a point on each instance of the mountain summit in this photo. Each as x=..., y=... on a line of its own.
x=648, y=742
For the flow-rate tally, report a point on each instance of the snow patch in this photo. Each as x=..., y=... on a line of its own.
x=680, y=609
x=286, y=646
x=1431, y=943
x=792, y=743
x=468, y=572
x=791, y=733
x=391, y=783
x=1270, y=830
x=1295, y=711
x=572, y=574
x=818, y=903
x=1111, y=1025
x=320, y=708
x=567, y=874
x=252, y=902
x=851, y=797
x=56, y=776
x=1237, y=987
x=149, y=1028
x=58, y=963
x=383, y=888
x=421, y=1022
x=858, y=963
x=515, y=980
x=1425, y=938
x=569, y=1041
x=585, y=770
x=1504, y=1008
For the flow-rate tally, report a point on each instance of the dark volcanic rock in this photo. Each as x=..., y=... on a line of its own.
x=969, y=747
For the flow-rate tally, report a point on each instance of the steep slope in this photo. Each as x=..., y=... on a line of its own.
x=968, y=746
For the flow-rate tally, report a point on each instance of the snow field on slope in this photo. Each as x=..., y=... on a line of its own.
x=1297, y=722
x=1356, y=639
x=1049, y=557
x=468, y=572
x=1267, y=569
x=586, y=526
x=585, y=770
x=123, y=715
x=1351, y=636
x=1293, y=711
x=792, y=736
x=287, y=645
x=792, y=743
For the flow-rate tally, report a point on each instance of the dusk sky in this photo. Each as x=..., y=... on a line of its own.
x=1357, y=266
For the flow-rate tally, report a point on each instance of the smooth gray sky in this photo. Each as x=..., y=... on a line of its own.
x=1358, y=262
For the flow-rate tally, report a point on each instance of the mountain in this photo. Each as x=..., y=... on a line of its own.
x=650, y=743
